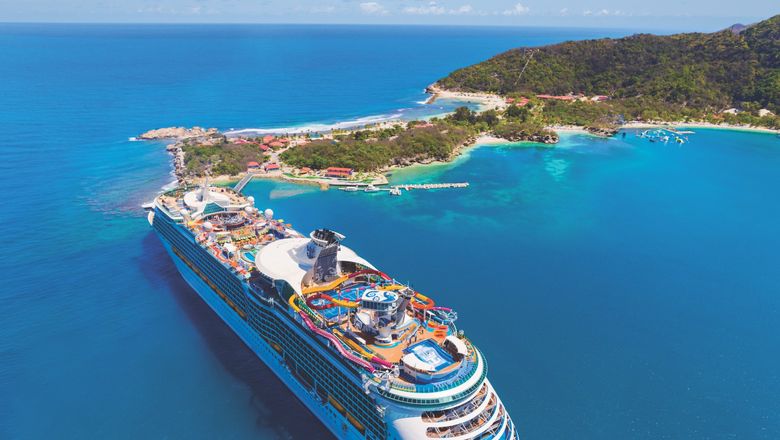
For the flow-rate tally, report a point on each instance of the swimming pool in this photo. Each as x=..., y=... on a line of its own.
x=430, y=352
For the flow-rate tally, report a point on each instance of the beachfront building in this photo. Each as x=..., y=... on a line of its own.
x=339, y=173
x=557, y=97
x=520, y=102
x=252, y=166
x=272, y=167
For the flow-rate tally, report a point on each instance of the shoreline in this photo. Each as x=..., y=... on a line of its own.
x=705, y=125
x=485, y=101
x=481, y=140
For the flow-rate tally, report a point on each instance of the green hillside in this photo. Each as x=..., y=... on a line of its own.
x=694, y=70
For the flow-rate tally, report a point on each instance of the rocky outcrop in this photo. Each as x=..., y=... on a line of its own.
x=184, y=136
x=178, y=133
x=602, y=131
x=541, y=138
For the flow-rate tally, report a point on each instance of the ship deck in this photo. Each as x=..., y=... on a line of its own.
x=421, y=342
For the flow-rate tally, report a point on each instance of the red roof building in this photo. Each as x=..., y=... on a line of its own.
x=264, y=147
x=275, y=144
x=558, y=97
x=252, y=164
x=338, y=172
x=272, y=167
x=305, y=170
x=267, y=138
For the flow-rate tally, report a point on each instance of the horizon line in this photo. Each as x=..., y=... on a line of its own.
x=257, y=23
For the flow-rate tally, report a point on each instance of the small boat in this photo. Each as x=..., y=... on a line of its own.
x=395, y=191
x=349, y=188
x=370, y=188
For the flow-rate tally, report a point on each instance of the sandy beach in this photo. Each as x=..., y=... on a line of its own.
x=485, y=101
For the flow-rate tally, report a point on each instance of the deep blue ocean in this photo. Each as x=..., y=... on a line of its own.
x=619, y=289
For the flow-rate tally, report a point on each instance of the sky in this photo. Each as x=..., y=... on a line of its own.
x=698, y=15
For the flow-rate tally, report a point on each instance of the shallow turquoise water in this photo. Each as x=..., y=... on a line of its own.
x=619, y=289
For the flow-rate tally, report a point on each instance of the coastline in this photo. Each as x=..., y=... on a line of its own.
x=481, y=140
x=735, y=127
x=485, y=101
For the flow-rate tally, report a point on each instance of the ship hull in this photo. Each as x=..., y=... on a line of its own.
x=332, y=420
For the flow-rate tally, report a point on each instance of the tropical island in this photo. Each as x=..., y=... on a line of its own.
x=731, y=76
x=727, y=78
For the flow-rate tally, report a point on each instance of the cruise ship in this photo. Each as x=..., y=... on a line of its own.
x=369, y=356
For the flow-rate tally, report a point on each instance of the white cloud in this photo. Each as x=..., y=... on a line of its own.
x=373, y=8
x=519, y=9
x=433, y=8
x=170, y=10
x=564, y=11
x=465, y=9
x=602, y=13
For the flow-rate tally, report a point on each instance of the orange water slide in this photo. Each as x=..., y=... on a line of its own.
x=335, y=301
x=339, y=281
x=422, y=302
x=330, y=286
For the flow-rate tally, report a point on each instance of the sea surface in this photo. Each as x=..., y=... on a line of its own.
x=619, y=289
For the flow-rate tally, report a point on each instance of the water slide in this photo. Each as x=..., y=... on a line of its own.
x=339, y=281
x=335, y=302
x=330, y=286
x=364, y=352
x=343, y=351
x=293, y=305
x=422, y=302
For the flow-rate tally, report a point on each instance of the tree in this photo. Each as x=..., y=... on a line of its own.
x=490, y=117
x=463, y=114
x=515, y=112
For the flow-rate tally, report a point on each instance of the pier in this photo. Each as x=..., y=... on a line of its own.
x=396, y=189
x=412, y=186
x=242, y=183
